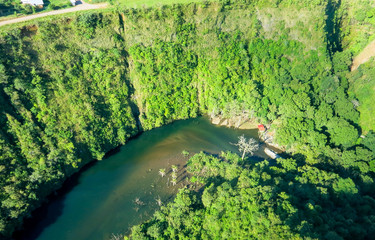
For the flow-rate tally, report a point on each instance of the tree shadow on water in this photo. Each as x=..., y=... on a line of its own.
x=49, y=212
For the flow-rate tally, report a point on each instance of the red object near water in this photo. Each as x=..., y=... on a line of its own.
x=261, y=128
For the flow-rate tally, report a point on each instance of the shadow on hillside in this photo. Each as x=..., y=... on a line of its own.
x=333, y=26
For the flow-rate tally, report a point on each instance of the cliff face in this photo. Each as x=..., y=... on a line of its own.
x=215, y=51
x=65, y=100
x=74, y=88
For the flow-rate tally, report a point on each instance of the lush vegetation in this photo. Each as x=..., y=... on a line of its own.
x=143, y=3
x=74, y=88
x=290, y=199
x=362, y=87
x=61, y=107
x=301, y=87
x=16, y=8
x=358, y=24
x=8, y=7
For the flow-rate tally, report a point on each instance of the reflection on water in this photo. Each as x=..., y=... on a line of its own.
x=123, y=189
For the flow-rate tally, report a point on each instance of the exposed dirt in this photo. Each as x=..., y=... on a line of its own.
x=81, y=7
x=364, y=56
x=240, y=122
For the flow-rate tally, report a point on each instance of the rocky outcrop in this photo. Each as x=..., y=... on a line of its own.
x=240, y=122
x=243, y=122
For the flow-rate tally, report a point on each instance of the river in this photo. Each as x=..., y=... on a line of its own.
x=113, y=194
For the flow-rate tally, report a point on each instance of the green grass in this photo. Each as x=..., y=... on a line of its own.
x=366, y=95
x=357, y=32
x=149, y=3
x=61, y=3
x=363, y=86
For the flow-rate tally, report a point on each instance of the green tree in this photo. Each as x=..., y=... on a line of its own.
x=162, y=172
x=341, y=132
x=369, y=141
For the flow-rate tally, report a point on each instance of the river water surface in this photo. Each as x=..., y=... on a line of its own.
x=121, y=190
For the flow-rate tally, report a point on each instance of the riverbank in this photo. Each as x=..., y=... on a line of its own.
x=240, y=122
x=123, y=190
x=243, y=122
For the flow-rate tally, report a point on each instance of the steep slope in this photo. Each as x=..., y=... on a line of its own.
x=363, y=88
x=216, y=41
x=64, y=102
x=356, y=19
x=367, y=53
x=357, y=24
x=74, y=88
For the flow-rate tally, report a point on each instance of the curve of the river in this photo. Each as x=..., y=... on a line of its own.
x=103, y=200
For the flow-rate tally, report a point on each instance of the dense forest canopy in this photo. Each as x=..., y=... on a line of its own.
x=76, y=87
x=285, y=200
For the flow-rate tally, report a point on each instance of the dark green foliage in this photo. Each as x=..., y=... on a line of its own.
x=341, y=62
x=289, y=200
x=341, y=132
x=164, y=74
x=304, y=92
x=56, y=115
x=86, y=24
x=8, y=7
x=369, y=141
x=73, y=89
x=362, y=85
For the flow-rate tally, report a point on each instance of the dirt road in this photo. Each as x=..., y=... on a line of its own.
x=364, y=56
x=81, y=7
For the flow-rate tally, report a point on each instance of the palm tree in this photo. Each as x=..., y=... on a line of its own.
x=162, y=172
x=174, y=168
x=185, y=153
x=159, y=202
x=117, y=236
x=174, y=182
x=174, y=176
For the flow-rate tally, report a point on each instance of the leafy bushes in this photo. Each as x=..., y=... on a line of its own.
x=57, y=114
x=361, y=87
x=86, y=24
x=341, y=132
x=164, y=73
x=288, y=200
x=76, y=88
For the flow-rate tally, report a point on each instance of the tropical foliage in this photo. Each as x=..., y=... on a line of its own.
x=74, y=88
x=290, y=199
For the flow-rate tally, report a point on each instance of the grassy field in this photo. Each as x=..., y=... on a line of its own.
x=148, y=3
x=61, y=4
x=363, y=86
